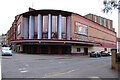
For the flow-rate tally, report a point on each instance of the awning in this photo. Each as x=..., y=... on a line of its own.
x=54, y=42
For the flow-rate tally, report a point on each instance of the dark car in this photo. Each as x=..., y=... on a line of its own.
x=118, y=57
x=104, y=53
x=109, y=53
x=95, y=54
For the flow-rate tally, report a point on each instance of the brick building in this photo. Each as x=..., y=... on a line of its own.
x=2, y=39
x=11, y=33
x=101, y=21
x=61, y=32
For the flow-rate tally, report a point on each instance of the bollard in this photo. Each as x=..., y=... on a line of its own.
x=113, y=58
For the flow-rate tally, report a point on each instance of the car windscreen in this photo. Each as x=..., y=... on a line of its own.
x=6, y=48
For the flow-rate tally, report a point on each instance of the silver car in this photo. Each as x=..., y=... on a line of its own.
x=6, y=51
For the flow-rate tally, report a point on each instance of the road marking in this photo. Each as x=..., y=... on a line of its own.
x=94, y=77
x=60, y=62
x=26, y=65
x=21, y=68
x=23, y=71
x=57, y=73
x=69, y=71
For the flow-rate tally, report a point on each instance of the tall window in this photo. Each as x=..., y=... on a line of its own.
x=45, y=27
x=104, y=22
x=64, y=27
x=95, y=19
x=100, y=20
x=78, y=50
x=108, y=24
x=19, y=29
x=36, y=26
x=54, y=27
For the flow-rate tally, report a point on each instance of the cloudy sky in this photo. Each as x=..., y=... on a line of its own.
x=10, y=8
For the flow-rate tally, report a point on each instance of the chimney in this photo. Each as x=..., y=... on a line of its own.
x=31, y=9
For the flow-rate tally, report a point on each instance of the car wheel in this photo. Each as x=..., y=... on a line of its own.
x=95, y=55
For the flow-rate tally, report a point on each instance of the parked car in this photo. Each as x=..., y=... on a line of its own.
x=6, y=51
x=109, y=53
x=118, y=57
x=95, y=54
x=104, y=53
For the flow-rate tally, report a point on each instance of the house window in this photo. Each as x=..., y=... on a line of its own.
x=64, y=27
x=36, y=26
x=104, y=22
x=54, y=27
x=108, y=24
x=45, y=27
x=100, y=20
x=19, y=29
x=78, y=50
x=95, y=19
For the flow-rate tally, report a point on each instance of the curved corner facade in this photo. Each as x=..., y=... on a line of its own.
x=61, y=32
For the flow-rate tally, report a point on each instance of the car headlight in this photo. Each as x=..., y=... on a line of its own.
x=3, y=52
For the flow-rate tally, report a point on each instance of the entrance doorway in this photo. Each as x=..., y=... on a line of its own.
x=105, y=49
x=86, y=51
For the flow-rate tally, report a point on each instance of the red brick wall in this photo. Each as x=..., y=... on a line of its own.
x=99, y=33
x=20, y=20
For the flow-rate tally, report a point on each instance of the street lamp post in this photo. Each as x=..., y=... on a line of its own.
x=118, y=44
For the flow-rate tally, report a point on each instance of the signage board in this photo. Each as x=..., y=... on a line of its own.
x=19, y=29
x=81, y=28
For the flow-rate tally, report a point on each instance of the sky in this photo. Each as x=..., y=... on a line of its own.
x=10, y=8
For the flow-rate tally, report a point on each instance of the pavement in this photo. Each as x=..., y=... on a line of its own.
x=56, y=66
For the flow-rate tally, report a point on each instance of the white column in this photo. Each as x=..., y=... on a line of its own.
x=68, y=28
x=39, y=26
x=31, y=27
x=49, y=26
x=25, y=28
x=59, y=26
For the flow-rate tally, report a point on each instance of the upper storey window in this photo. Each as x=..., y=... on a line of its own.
x=108, y=24
x=19, y=29
x=100, y=21
x=36, y=26
x=95, y=19
x=104, y=22
x=54, y=27
x=45, y=26
x=64, y=24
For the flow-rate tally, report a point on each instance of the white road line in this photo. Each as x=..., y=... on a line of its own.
x=21, y=68
x=24, y=71
x=95, y=77
x=60, y=62
x=55, y=74
x=26, y=65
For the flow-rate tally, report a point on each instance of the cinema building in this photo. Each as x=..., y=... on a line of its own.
x=62, y=32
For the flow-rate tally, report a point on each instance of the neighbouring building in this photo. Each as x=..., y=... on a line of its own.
x=101, y=21
x=11, y=33
x=2, y=39
x=118, y=30
x=118, y=42
x=61, y=32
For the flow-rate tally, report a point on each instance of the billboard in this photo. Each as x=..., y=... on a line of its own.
x=81, y=28
x=19, y=29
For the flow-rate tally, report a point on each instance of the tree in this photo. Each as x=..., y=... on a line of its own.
x=110, y=5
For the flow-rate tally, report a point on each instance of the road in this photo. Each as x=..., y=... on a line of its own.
x=56, y=66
